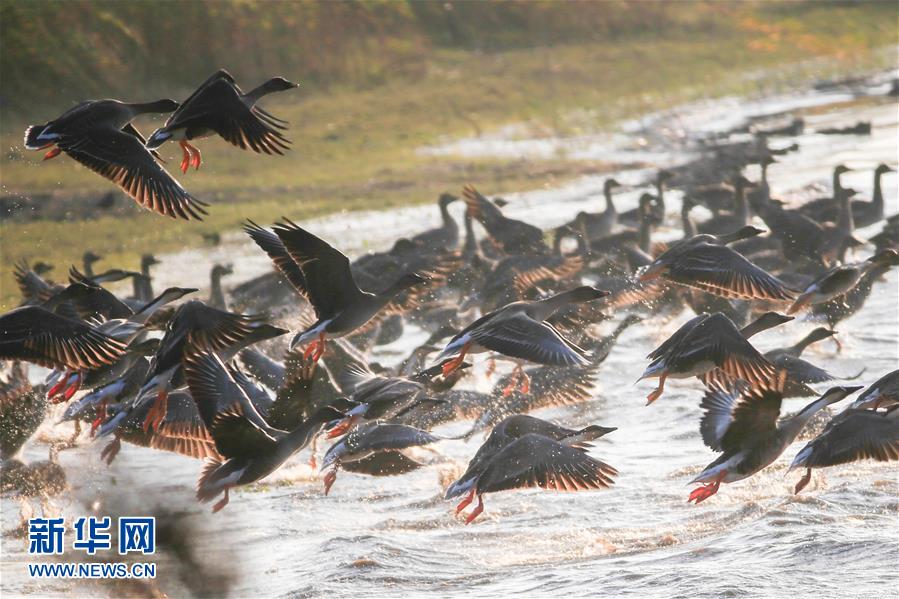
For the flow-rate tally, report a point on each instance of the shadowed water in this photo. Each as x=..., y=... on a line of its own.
x=394, y=536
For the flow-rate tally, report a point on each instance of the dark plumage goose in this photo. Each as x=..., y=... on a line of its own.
x=514, y=236
x=382, y=397
x=739, y=217
x=34, y=334
x=252, y=449
x=220, y=106
x=708, y=342
x=519, y=331
x=824, y=209
x=632, y=217
x=863, y=213
x=99, y=135
x=743, y=425
x=22, y=410
x=800, y=373
x=321, y=273
x=202, y=327
x=598, y=225
x=445, y=237
x=883, y=392
x=216, y=295
x=523, y=451
x=844, y=306
x=370, y=439
x=850, y=436
x=705, y=262
x=840, y=280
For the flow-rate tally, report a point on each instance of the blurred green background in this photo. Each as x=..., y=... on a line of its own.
x=379, y=80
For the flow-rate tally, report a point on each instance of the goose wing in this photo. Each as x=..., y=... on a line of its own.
x=271, y=244
x=518, y=336
x=851, y=436
x=37, y=335
x=330, y=284
x=722, y=271
x=123, y=159
x=537, y=461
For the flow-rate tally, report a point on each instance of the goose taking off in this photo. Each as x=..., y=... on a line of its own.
x=519, y=331
x=742, y=423
x=705, y=262
x=523, y=451
x=321, y=273
x=850, y=436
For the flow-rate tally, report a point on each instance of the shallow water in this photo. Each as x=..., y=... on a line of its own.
x=393, y=536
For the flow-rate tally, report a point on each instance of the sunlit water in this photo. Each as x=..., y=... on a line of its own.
x=393, y=536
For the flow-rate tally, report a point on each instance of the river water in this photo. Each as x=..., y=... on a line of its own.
x=396, y=536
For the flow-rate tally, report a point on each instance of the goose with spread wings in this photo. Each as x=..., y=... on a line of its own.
x=705, y=262
x=711, y=346
x=321, y=274
x=251, y=449
x=742, y=423
x=99, y=135
x=219, y=106
x=523, y=451
x=851, y=435
x=519, y=331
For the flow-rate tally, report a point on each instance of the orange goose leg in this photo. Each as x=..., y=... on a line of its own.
x=221, y=504
x=330, y=477
x=156, y=413
x=58, y=387
x=707, y=490
x=187, y=157
x=456, y=362
x=73, y=388
x=657, y=393
x=803, y=481
x=464, y=503
x=516, y=381
x=53, y=153
x=476, y=511
x=101, y=416
x=196, y=158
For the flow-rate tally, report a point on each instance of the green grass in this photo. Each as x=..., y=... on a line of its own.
x=357, y=149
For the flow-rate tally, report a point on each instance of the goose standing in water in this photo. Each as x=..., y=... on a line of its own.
x=850, y=436
x=710, y=342
x=219, y=106
x=633, y=217
x=519, y=331
x=99, y=135
x=445, y=237
x=216, y=295
x=523, y=451
x=743, y=425
x=601, y=224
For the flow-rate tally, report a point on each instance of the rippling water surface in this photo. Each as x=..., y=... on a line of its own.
x=392, y=536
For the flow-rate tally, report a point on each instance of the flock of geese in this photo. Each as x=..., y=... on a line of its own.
x=217, y=380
